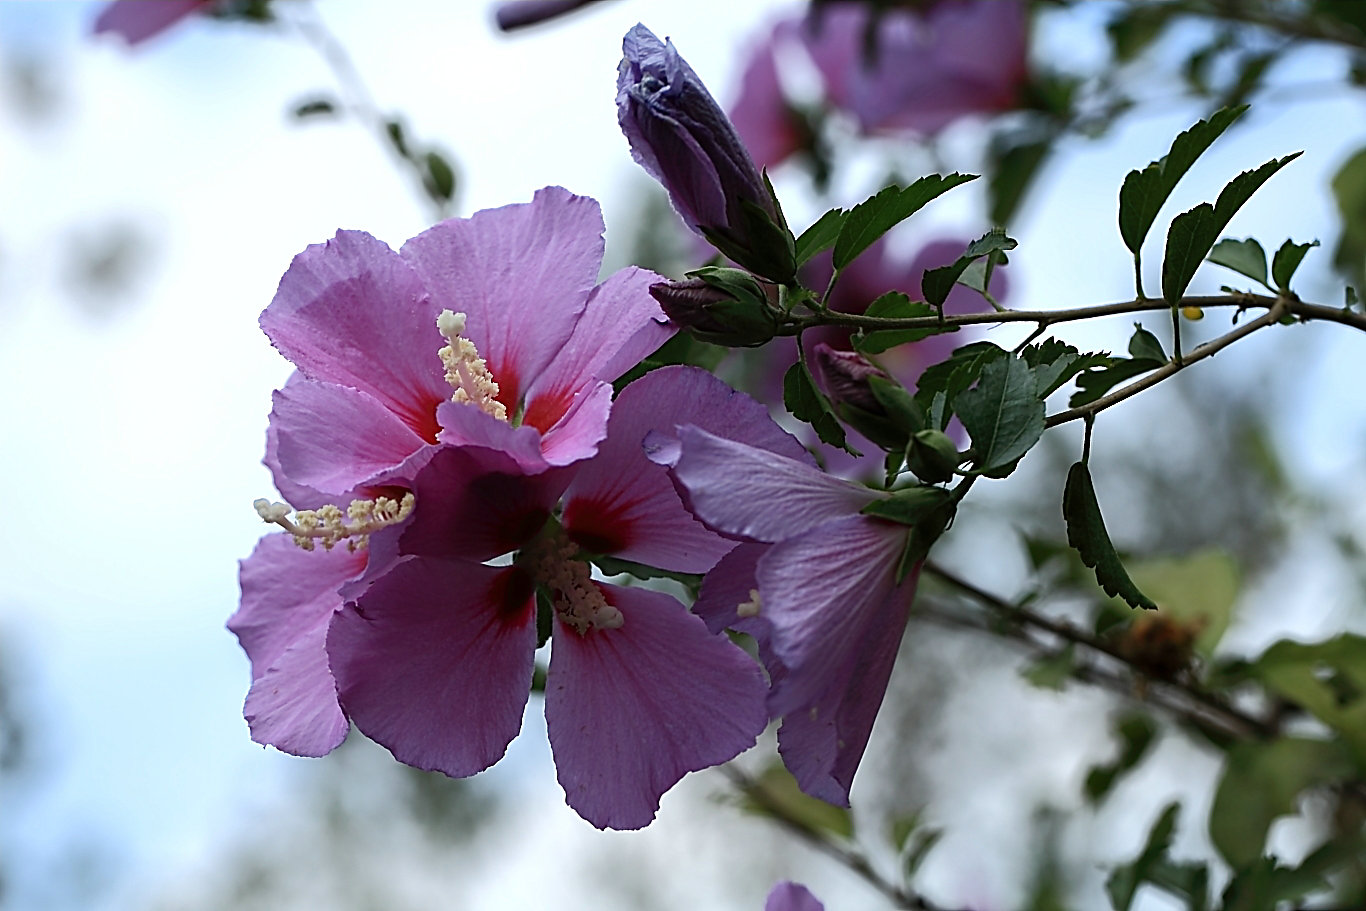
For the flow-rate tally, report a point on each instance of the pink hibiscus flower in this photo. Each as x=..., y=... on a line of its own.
x=381, y=388
x=136, y=21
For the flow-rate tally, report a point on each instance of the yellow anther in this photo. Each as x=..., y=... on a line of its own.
x=328, y=526
x=578, y=602
x=466, y=371
x=749, y=608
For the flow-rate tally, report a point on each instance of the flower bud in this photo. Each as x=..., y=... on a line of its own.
x=932, y=456
x=865, y=398
x=718, y=305
x=680, y=135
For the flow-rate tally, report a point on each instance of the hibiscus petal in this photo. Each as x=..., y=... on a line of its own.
x=751, y=493
x=621, y=503
x=822, y=592
x=286, y=592
x=352, y=312
x=790, y=896
x=293, y=705
x=620, y=325
x=730, y=583
x=434, y=662
x=632, y=710
x=521, y=274
x=332, y=438
x=823, y=743
x=465, y=425
x=135, y=21
x=475, y=504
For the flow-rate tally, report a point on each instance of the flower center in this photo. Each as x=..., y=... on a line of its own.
x=578, y=602
x=466, y=371
x=328, y=526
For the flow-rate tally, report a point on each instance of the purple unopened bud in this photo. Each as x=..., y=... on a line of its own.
x=680, y=135
x=844, y=374
x=522, y=13
x=726, y=307
x=866, y=398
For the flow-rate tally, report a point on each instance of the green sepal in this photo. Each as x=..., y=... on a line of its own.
x=908, y=506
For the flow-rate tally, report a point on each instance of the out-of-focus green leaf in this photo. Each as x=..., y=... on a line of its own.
x=1287, y=260
x=1196, y=590
x=1086, y=533
x=1136, y=732
x=1246, y=257
x=441, y=177
x=1134, y=28
x=1052, y=671
x=1265, y=885
x=1185, y=880
x=1328, y=679
x=1261, y=782
x=1349, y=191
x=1014, y=168
x=1144, y=192
x=878, y=214
x=1194, y=232
x=1003, y=413
x=314, y=107
x=777, y=788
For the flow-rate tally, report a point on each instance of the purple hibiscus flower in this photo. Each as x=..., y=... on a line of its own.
x=434, y=658
x=818, y=584
x=790, y=896
x=136, y=21
x=524, y=370
x=969, y=57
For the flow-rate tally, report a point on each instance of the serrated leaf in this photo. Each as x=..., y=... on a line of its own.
x=1246, y=257
x=940, y=384
x=821, y=235
x=895, y=305
x=1087, y=535
x=936, y=284
x=1003, y=414
x=1055, y=362
x=1263, y=781
x=1193, y=233
x=1287, y=260
x=1093, y=384
x=878, y=214
x=1144, y=192
x=806, y=403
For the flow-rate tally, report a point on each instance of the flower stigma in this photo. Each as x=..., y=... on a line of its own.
x=578, y=602
x=466, y=371
x=751, y=607
x=329, y=526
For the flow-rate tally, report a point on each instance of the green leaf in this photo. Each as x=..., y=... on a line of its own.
x=315, y=107
x=936, y=284
x=895, y=305
x=821, y=235
x=878, y=214
x=1193, y=233
x=1144, y=192
x=1350, y=299
x=1265, y=884
x=806, y=403
x=1263, y=781
x=1086, y=533
x=1055, y=362
x=1014, y=169
x=1108, y=373
x=1287, y=260
x=1349, y=191
x=1198, y=589
x=920, y=848
x=775, y=794
x=612, y=566
x=1003, y=413
x=440, y=177
x=1144, y=346
x=1327, y=679
x=1051, y=672
x=1124, y=881
x=683, y=348
x=1246, y=257
x=1136, y=734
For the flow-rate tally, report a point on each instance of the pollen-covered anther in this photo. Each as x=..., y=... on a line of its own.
x=329, y=526
x=751, y=607
x=578, y=602
x=466, y=371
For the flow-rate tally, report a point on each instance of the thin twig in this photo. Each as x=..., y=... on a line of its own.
x=849, y=857
x=1069, y=633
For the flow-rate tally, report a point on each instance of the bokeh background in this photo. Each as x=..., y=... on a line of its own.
x=151, y=198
